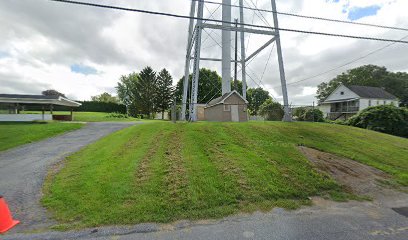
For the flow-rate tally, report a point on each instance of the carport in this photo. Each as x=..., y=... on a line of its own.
x=14, y=103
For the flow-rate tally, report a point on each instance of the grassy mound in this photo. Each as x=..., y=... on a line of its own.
x=162, y=172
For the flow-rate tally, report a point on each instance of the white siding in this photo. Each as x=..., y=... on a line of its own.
x=325, y=108
x=24, y=117
x=364, y=102
x=337, y=94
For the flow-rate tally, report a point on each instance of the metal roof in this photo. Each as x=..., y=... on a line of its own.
x=221, y=99
x=371, y=92
x=37, y=99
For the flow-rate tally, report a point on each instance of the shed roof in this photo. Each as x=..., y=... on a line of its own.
x=38, y=99
x=371, y=92
x=221, y=99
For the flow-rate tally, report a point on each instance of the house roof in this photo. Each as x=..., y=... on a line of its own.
x=221, y=99
x=371, y=92
x=37, y=99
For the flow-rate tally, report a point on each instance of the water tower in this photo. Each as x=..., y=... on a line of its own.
x=226, y=26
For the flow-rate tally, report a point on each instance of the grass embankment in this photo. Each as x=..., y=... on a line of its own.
x=162, y=172
x=14, y=134
x=91, y=116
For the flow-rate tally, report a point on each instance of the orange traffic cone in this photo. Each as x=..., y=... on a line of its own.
x=6, y=221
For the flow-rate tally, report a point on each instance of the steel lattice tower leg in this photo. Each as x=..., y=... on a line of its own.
x=196, y=68
x=243, y=64
x=287, y=116
x=187, y=63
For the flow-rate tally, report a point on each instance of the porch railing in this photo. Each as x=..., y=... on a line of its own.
x=344, y=109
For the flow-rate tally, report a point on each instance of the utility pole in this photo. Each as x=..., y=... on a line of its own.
x=236, y=57
x=287, y=117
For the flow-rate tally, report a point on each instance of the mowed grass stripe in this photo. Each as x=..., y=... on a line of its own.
x=98, y=177
x=210, y=193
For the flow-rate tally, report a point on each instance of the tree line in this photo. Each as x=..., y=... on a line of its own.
x=146, y=92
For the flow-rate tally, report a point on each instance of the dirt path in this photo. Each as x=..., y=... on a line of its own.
x=23, y=170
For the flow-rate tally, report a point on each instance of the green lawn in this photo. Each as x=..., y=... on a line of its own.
x=14, y=134
x=90, y=116
x=162, y=172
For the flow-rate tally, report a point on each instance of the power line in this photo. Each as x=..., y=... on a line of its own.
x=220, y=21
x=310, y=17
x=345, y=64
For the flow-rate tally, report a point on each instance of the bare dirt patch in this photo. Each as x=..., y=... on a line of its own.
x=353, y=176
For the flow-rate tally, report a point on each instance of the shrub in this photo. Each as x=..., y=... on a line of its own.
x=385, y=118
x=299, y=113
x=117, y=115
x=272, y=111
x=313, y=115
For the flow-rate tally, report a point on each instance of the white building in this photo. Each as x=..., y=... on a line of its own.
x=346, y=101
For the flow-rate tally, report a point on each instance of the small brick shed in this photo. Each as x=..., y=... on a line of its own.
x=230, y=107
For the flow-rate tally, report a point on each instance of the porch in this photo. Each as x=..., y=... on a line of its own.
x=343, y=109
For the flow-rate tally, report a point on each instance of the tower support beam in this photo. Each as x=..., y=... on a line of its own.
x=196, y=67
x=242, y=40
x=187, y=63
x=226, y=47
x=287, y=116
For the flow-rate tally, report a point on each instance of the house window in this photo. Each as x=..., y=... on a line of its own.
x=378, y=102
x=227, y=108
x=385, y=102
x=341, y=93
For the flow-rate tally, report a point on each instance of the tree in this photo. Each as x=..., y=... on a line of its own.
x=52, y=92
x=128, y=93
x=256, y=97
x=209, y=86
x=147, y=91
x=105, y=97
x=369, y=75
x=383, y=118
x=272, y=111
x=164, y=91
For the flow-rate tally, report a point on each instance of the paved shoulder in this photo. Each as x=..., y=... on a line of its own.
x=23, y=169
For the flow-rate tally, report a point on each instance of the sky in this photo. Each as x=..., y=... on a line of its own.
x=82, y=51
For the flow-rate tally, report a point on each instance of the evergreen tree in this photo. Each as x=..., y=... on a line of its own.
x=147, y=91
x=164, y=94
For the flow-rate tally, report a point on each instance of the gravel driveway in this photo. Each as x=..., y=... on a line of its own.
x=23, y=169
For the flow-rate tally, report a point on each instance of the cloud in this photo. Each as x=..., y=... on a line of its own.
x=42, y=40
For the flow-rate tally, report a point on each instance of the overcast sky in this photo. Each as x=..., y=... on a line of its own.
x=82, y=51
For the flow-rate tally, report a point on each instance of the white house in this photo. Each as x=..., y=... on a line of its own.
x=346, y=101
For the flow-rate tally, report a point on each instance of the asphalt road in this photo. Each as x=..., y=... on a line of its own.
x=23, y=169
x=324, y=220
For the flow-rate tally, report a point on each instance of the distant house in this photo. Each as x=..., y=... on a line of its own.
x=345, y=101
x=230, y=107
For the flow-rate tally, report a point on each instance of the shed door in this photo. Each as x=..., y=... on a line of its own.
x=234, y=113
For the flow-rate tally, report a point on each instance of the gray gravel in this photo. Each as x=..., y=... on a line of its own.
x=23, y=169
